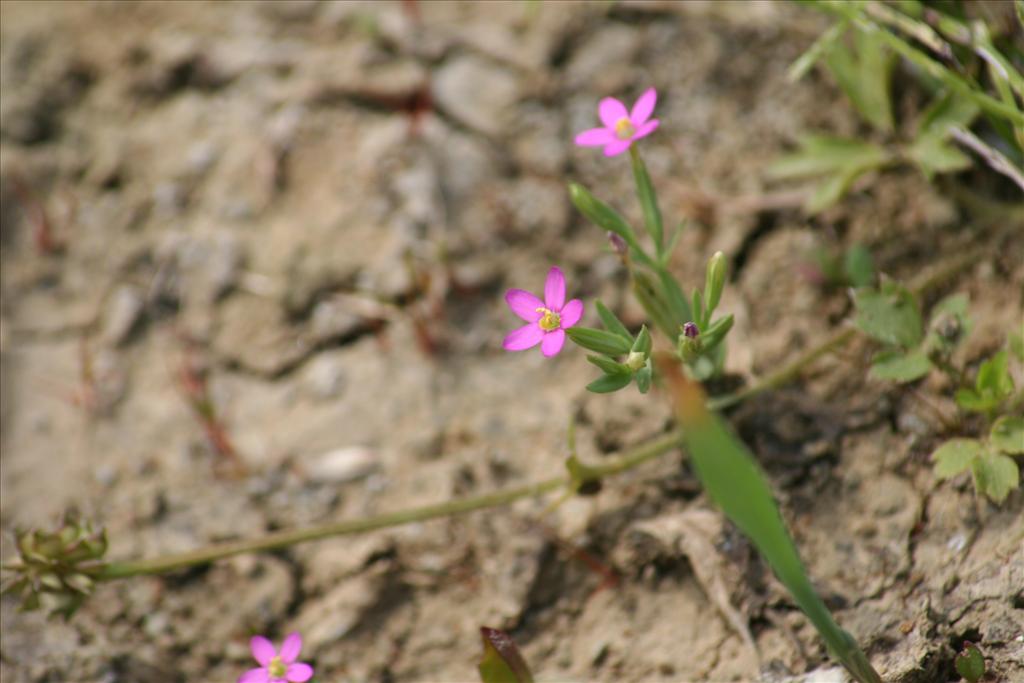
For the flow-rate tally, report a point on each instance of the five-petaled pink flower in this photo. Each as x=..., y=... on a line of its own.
x=277, y=667
x=547, y=320
x=621, y=128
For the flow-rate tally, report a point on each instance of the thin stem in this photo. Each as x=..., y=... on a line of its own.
x=632, y=458
x=283, y=539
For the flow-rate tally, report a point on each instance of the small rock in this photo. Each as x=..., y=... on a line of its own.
x=124, y=311
x=343, y=465
x=476, y=93
x=332, y=321
x=325, y=376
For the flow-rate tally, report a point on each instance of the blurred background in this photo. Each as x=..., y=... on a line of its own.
x=253, y=259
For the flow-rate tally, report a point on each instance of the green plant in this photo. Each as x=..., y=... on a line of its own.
x=962, y=66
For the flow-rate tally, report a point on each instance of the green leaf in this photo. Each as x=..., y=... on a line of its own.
x=599, y=340
x=1008, y=434
x=648, y=200
x=822, y=154
x=609, y=366
x=822, y=45
x=864, y=74
x=501, y=661
x=643, y=378
x=611, y=322
x=901, y=367
x=994, y=379
x=955, y=456
x=933, y=155
x=944, y=111
x=649, y=293
x=970, y=663
x=889, y=315
x=601, y=214
x=858, y=266
x=643, y=342
x=674, y=298
x=609, y=383
x=971, y=401
x=1016, y=343
x=995, y=475
x=734, y=481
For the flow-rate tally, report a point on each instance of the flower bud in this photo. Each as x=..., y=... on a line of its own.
x=714, y=282
x=635, y=360
x=690, y=344
x=618, y=244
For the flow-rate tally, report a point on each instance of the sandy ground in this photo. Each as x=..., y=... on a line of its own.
x=309, y=211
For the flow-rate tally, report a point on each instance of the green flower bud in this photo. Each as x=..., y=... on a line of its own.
x=714, y=282
x=690, y=344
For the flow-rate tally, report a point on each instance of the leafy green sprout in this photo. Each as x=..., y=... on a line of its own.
x=863, y=67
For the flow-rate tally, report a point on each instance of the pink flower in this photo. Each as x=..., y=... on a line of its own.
x=274, y=667
x=547, y=319
x=621, y=128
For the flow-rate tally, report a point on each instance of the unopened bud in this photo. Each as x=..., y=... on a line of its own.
x=618, y=244
x=690, y=343
x=714, y=282
x=635, y=360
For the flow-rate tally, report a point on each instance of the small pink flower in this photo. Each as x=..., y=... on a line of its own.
x=621, y=128
x=275, y=667
x=548, y=320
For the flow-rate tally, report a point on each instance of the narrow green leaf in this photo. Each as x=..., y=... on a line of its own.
x=1008, y=434
x=648, y=292
x=995, y=475
x=889, y=315
x=501, y=661
x=611, y=321
x=955, y=456
x=734, y=481
x=674, y=298
x=601, y=214
x=898, y=366
x=944, y=111
x=609, y=383
x=810, y=57
x=643, y=378
x=821, y=154
x=608, y=366
x=934, y=155
x=599, y=340
x=643, y=341
x=648, y=200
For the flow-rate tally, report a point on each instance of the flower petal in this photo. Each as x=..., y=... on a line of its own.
x=611, y=110
x=552, y=343
x=595, y=137
x=524, y=304
x=616, y=147
x=259, y=675
x=571, y=313
x=526, y=337
x=643, y=107
x=262, y=649
x=646, y=129
x=298, y=672
x=554, y=289
x=290, y=648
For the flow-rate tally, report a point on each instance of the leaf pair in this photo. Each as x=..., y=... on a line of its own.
x=992, y=468
x=613, y=342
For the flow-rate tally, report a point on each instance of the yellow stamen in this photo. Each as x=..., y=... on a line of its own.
x=624, y=128
x=277, y=668
x=549, y=320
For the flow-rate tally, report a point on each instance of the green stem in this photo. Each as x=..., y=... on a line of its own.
x=632, y=458
x=283, y=539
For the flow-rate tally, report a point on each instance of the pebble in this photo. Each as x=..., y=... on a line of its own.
x=343, y=465
x=124, y=311
x=476, y=93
